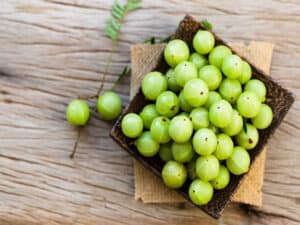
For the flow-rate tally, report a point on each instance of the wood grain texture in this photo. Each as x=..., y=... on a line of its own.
x=53, y=50
x=148, y=187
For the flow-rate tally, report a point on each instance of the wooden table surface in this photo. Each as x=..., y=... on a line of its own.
x=53, y=50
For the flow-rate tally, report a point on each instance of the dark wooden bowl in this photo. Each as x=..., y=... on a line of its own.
x=278, y=98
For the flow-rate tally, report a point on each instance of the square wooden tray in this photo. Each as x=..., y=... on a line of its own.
x=278, y=98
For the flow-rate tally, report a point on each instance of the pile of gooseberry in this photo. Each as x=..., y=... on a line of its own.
x=202, y=117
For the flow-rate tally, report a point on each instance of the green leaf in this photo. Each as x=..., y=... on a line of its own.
x=114, y=24
x=245, y=125
x=118, y=6
x=134, y=1
x=207, y=25
x=110, y=32
x=117, y=14
x=151, y=40
x=154, y=40
x=118, y=10
x=166, y=39
x=125, y=72
x=133, y=6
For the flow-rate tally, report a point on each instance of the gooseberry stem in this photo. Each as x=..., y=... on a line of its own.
x=102, y=80
x=76, y=143
x=112, y=30
x=109, y=61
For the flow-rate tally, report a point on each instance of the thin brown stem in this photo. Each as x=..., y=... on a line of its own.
x=109, y=61
x=87, y=97
x=76, y=142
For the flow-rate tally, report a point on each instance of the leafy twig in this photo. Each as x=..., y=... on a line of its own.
x=112, y=30
x=118, y=13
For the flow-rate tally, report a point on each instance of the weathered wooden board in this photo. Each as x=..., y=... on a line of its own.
x=53, y=50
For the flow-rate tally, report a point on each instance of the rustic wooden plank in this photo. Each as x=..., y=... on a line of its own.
x=53, y=50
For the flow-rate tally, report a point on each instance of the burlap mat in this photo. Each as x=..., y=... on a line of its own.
x=150, y=188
